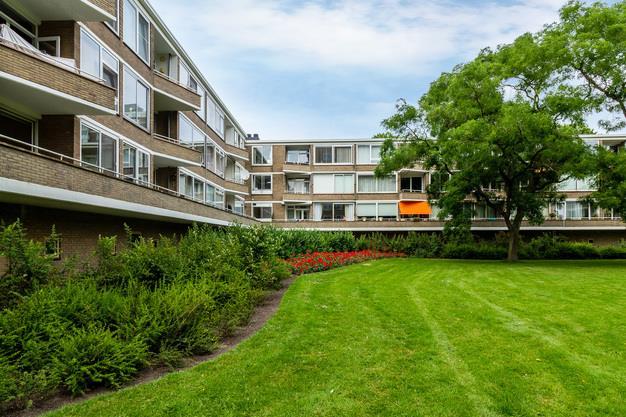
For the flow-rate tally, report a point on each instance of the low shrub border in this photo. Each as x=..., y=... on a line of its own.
x=322, y=261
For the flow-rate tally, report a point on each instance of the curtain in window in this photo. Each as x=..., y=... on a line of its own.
x=344, y=183
x=367, y=184
x=317, y=211
x=366, y=210
x=375, y=155
x=387, y=209
x=323, y=155
x=363, y=154
x=386, y=184
x=343, y=155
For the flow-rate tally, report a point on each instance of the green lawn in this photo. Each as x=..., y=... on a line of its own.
x=410, y=337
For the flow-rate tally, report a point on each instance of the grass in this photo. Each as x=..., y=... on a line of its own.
x=409, y=337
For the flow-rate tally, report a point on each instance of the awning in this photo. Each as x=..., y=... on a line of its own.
x=415, y=207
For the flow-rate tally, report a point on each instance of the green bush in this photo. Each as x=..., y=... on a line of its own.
x=423, y=245
x=28, y=266
x=473, y=251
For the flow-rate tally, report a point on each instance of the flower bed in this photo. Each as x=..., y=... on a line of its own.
x=321, y=261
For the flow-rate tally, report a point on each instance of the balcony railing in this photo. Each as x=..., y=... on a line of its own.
x=34, y=149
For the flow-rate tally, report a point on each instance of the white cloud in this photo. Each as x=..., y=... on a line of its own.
x=396, y=35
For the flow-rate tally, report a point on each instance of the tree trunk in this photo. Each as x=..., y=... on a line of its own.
x=514, y=239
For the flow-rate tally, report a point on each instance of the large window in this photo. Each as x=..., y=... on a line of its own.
x=96, y=60
x=333, y=154
x=297, y=155
x=188, y=133
x=262, y=211
x=215, y=117
x=98, y=149
x=374, y=211
x=368, y=154
x=298, y=213
x=333, y=211
x=136, y=163
x=298, y=186
x=186, y=79
x=262, y=184
x=262, y=155
x=574, y=184
x=411, y=184
x=136, y=99
x=191, y=187
x=371, y=184
x=136, y=30
x=333, y=183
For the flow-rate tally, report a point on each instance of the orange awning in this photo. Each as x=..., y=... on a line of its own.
x=415, y=207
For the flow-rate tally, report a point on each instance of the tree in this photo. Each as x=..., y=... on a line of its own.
x=504, y=128
x=589, y=45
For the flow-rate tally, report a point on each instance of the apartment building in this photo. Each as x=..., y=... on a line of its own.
x=105, y=120
x=330, y=185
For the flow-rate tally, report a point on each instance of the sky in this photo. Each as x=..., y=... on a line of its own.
x=323, y=69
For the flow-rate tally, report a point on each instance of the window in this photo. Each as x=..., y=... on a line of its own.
x=136, y=164
x=115, y=26
x=262, y=155
x=333, y=211
x=333, y=154
x=202, y=111
x=188, y=133
x=136, y=100
x=16, y=127
x=238, y=208
x=333, y=183
x=220, y=162
x=298, y=213
x=377, y=210
x=572, y=184
x=191, y=187
x=97, y=60
x=411, y=184
x=344, y=183
x=371, y=184
x=185, y=78
x=298, y=186
x=262, y=212
x=297, y=155
x=18, y=23
x=576, y=210
x=368, y=154
x=215, y=117
x=97, y=149
x=262, y=184
x=50, y=45
x=136, y=30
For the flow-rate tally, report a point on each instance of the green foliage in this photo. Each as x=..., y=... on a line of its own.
x=28, y=266
x=423, y=245
x=150, y=302
x=473, y=251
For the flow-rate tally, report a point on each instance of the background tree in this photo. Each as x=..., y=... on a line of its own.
x=504, y=128
x=589, y=45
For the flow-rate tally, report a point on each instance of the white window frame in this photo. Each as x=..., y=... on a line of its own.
x=271, y=157
x=141, y=13
x=334, y=175
x=372, y=161
x=376, y=179
x=333, y=155
x=100, y=132
x=261, y=191
x=116, y=26
x=140, y=80
x=56, y=39
x=335, y=203
x=101, y=63
x=377, y=217
x=263, y=205
x=138, y=150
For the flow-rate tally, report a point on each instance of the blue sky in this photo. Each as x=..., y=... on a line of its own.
x=335, y=68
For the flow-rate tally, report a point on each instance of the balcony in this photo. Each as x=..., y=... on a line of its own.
x=45, y=85
x=40, y=177
x=172, y=153
x=75, y=10
x=169, y=95
x=413, y=195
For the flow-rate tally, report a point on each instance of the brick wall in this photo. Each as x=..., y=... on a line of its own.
x=52, y=76
x=106, y=5
x=175, y=89
x=59, y=134
x=66, y=30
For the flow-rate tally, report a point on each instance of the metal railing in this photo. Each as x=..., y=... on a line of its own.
x=68, y=160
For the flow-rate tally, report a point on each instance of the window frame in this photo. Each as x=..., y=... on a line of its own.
x=333, y=155
x=377, y=204
x=116, y=152
x=115, y=29
x=270, y=159
x=138, y=152
x=253, y=188
x=101, y=50
x=269, y=206
x=372, y=161
x=125, y=38
x=376, y=182
x=126, y=69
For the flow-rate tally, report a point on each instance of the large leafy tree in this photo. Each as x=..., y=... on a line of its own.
x=589, y=45
x=501, y=130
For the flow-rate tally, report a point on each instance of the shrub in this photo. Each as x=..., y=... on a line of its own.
x=473, y=251
x=422, y=245
x=28, y=267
